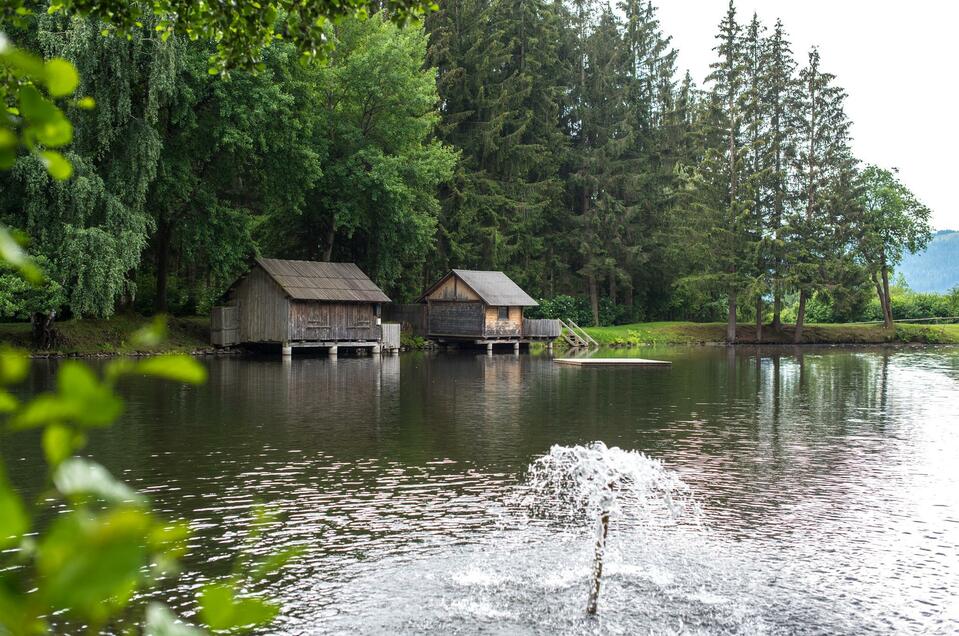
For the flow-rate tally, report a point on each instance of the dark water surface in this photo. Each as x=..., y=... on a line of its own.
x=828, y=483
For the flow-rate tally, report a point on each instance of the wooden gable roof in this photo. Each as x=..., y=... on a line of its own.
x=314, y=280
x=494, y=288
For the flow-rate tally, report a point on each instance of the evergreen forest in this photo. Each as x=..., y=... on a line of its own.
x=556, y=141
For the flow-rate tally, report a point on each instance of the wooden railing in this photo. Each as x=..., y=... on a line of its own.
x=541, y=328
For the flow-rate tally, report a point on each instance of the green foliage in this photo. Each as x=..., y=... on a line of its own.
x=104, y=546
x=31, y=117
x=241, y=30
x=19, y=298
x=368, y=188
x=578, y=310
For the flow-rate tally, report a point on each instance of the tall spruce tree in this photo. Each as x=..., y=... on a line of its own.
x=605, y=167
x=502, y=85
x=778, y=92
x=825, y=196
x=756, y=129
x=727, y=183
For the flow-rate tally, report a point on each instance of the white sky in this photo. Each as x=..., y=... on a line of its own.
x=897, y=60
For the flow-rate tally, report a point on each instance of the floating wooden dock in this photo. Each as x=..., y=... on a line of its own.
x=612, y=362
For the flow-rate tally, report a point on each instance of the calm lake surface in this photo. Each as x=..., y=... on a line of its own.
x=827, y=482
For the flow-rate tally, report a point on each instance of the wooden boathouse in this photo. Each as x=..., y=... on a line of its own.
x=304, y=304
x=485, y=308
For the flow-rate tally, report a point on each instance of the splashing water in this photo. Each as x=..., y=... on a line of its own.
x=581, y=482
x=602, y=483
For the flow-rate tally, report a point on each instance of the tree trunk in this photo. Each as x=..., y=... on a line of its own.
x=594, y=299
x=759, y=320
x=885, y=288
x=800, y=317
x=777, y=307
x=731, y=320
x=45, y=335
x=163, y=265
x=882, y=299
x=328, y=245
x=612, y=288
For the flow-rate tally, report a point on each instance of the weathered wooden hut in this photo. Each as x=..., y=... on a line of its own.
x=301, y=304
x=483, y=307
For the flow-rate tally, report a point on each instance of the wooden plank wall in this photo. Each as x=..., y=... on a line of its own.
x=263, y=310
x=451, y=318
x=541, y=328
x=454, y=289
x=314, y=320
x=512, y=326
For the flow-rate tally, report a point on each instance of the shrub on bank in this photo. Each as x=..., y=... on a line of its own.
x=579, y=311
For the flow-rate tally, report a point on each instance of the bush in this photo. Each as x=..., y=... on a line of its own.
x=578, y=310
x=19, y=298
x=691, y=301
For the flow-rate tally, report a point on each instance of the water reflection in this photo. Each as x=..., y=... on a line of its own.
x=827, y=480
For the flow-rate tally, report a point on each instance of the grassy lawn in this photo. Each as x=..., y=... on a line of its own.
x=112, y=336
x=654, y=333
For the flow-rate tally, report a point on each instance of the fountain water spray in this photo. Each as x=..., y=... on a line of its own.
x=598, y=482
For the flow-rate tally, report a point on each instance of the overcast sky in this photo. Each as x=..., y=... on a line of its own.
x=899, y=62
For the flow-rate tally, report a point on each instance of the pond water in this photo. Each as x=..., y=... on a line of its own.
x=825, y=485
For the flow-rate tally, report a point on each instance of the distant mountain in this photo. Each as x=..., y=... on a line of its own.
x=936, y=269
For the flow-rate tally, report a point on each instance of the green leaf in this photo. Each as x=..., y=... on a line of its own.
x=78, y=477
x=8, y=403
x=81, y=399
x=86, y=103
x=13, y=516
x=179, y=368
x=150, y=335
x=58, y=167
x=160, y=621
x=12, y=253
x=58, y=443
x=95, y=403
x=61, y=77
x=48, y=125
x=93, y=563
x=221, y=610
x=13, y=365
x=274, y=562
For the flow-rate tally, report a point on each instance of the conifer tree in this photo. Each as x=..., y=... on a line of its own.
x=778, y=92
x=825, y=197
x=755, y=129
x=605, y=168
x=726, y=180
x=501, y=86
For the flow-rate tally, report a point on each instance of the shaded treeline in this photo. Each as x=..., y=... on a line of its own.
x=554, y=140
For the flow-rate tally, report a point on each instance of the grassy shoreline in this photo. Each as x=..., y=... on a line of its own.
x=112, y=336
x=687, y=333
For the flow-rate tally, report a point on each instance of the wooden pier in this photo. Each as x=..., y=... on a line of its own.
x=612, y=362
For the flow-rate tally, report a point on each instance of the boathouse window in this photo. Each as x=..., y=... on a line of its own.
x=503, y=313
